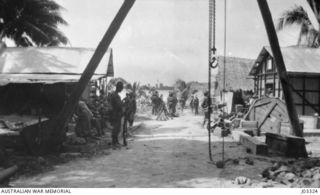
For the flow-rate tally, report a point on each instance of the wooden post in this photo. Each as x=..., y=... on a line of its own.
x=281, y=69
x=68, y=109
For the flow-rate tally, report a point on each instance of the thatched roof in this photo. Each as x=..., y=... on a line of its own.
x=236, y=73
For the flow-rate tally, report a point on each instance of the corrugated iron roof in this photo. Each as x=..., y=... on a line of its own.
x=297, y=59
x=47, y=65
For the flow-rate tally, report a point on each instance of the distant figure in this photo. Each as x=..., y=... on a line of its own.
x=163, y=113
x=154, y=101
x=206, y=107
x=130, y=108
x=117, y=112
x=172, y=103
x=196, y=105
x=96, y=120
x=133, y=108
x=192, y=104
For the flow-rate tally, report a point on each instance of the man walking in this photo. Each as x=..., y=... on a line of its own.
x=196, y=105
x=116, y=114
x=192, y=104
x=206, y=108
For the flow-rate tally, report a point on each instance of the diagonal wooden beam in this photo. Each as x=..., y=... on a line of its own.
x=103, y=46
x=273, y=105
x=281, y=69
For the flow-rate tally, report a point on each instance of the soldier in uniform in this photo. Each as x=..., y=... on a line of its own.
x=206, y=107
x=192, y=104
x=196, y=105
x=130, y=108
x=133, y=108
x=96, y=120
x=172, y=103
x=116, y=113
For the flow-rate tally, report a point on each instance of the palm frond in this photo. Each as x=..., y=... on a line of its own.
x=297, y=15
x=38, y=19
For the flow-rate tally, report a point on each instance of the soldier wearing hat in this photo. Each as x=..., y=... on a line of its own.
x=206, y=107
x=116, y=113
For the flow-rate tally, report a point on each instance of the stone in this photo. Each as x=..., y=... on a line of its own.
x=249, y=161
x=305, y=182
x=281, y=177
x=307, y=174
x=242, y=180
x=290, y=176
x=275, y=166
x=315, y=184
x=266, y=173
x=316, y=176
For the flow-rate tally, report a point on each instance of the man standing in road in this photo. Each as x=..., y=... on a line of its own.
x=192, y=104
x=206, y=107
x=196, y=105
x=116, y=114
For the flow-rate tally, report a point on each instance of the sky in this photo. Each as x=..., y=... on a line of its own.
x=166, y=40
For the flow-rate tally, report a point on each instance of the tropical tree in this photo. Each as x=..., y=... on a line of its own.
x=113, y=82
x=299, y=16
x=137, y=90
x=31, y=22
x=182, y=88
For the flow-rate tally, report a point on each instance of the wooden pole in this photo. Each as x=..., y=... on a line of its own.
x=72, y=102
x=281, y=69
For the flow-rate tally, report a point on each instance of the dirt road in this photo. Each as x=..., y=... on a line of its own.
x=163, y=154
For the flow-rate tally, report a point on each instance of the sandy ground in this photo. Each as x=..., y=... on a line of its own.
x=170, y=153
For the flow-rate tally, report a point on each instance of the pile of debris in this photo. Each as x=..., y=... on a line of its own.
x=300, y=173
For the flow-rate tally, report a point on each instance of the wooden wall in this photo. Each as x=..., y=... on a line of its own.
x=306, y=88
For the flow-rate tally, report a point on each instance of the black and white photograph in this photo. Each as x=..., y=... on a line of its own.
x=160, y=94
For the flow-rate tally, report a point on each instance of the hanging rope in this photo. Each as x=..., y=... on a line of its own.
x=224, y=64
x=220, y=164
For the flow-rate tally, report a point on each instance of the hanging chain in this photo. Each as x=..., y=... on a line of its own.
x=212, y=34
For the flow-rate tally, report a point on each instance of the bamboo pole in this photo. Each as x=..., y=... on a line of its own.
x=281, y=69
x=68, y=109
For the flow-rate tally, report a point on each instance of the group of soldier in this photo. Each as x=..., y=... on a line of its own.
x=159, y=106
x=106, y=112
x=110, y=112
x=170, y=109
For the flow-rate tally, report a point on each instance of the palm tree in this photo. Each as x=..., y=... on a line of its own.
x=31, y=22
x=299, y=16
x=137, y=90
x=113, y=82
